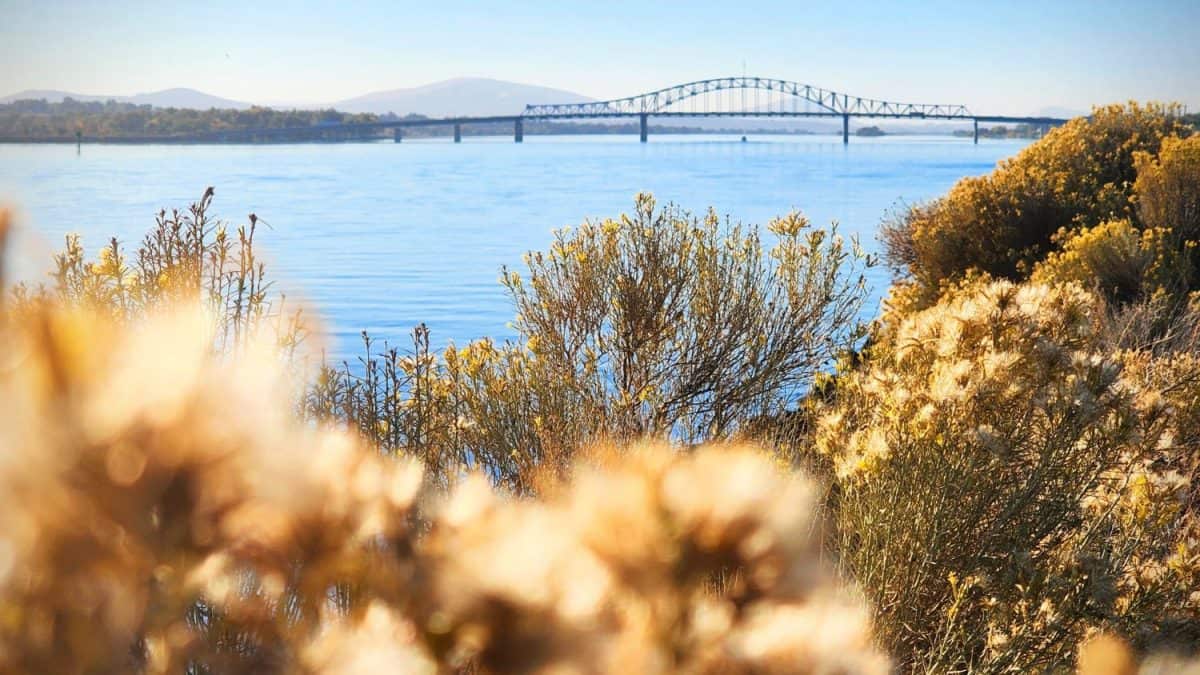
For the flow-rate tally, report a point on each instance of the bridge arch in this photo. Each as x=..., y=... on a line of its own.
x=827, y=101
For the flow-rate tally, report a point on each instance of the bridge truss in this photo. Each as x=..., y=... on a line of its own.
x=706, y=99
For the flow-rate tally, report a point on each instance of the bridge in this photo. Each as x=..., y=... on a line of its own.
x=740, y=97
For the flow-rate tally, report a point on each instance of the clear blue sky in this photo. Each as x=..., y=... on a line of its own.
x=1001, y=57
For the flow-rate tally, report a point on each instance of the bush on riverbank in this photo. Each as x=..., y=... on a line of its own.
x=1080, y=175
x=1014, y=463
x=1006, y=469
x=657, y=324
x=1005, y=485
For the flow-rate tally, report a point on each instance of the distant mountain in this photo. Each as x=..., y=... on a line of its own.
x=185, y=98
x=1061, y=112
x=50, y=95
x=167, y=98
x=465, y=96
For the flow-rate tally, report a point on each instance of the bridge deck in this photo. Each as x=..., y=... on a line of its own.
x=512, y=119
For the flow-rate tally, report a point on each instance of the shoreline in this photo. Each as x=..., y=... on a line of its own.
x=193, y=140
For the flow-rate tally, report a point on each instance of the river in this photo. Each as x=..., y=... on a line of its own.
x=381, y=236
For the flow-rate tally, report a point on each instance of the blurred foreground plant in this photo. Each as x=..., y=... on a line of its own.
x=165, y=511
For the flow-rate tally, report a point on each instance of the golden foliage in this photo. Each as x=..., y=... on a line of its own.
x=1079, y=175
x=1000, y=486
x=1158, y=256
x=655, y=324
x=1113, y=256
x=1166, y=187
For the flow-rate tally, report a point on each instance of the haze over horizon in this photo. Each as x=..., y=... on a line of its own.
x=992, y=60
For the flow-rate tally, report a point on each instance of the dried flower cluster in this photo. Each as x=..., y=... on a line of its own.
x=165, y=511
x=161, y=504
x=1003, y=485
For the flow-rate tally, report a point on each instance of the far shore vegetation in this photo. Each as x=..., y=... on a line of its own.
x=694, y=457
x=71, y=120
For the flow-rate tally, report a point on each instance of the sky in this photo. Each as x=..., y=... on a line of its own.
x=1014, y=57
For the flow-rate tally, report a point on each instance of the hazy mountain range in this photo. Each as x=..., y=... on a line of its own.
x=167, y=98
x=467, y=96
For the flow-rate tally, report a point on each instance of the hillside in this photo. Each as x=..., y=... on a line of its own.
x=178, y=97
x=466, y=96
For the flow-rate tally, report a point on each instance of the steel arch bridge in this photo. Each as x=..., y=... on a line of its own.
x=827, y=102
x=719, y=97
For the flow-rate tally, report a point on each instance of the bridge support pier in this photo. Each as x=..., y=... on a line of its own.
x=397, y=135
x=976, y=121
x=845, y=130
x=518, y=131
x=645, y=125
x=458, y=133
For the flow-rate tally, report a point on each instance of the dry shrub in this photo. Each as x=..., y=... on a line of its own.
x=1168, y=188
x=1155, y=258
x=165, y=511
x=670, y=324
x=189, y=258
x=1000, y=487
x=655, y=324
x=1079, y=175
x=1113, y=257
x=163, y=507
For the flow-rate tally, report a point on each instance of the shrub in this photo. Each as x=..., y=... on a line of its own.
x=187, y=257
x=1079, y=175
x=1168, y=201
x=1112, y=257
x=996, y=485
x=1157, y=257
x=674, y=325
x=654, y=324
x=1168, y=187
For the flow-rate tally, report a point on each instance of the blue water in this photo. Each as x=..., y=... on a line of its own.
x=381, y=236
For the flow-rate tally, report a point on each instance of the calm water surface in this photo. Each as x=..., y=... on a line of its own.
x=381, y=236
